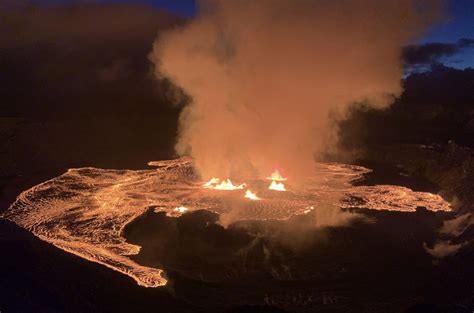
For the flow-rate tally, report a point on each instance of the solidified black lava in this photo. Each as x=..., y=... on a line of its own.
x=270, y=263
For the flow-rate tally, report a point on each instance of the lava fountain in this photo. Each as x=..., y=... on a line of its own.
x=224, y=185
x=251, y=195
x=277, y=186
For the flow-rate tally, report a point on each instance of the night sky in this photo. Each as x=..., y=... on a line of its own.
x=448, y=50
x=459, y=24
x=181, y=7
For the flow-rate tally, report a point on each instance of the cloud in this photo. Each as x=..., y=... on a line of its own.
x=429, y=53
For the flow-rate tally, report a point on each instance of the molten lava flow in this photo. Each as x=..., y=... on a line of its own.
x=228, y=185
x=276, y=176
x=85, y=210
x=277, y=186
x=250, y=195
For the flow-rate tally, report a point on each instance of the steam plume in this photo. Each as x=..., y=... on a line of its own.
x=449, y=244
x=263, y=76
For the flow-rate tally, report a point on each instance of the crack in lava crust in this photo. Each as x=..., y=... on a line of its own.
x=85, y=210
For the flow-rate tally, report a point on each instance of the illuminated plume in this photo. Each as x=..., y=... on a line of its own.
x=247, y=66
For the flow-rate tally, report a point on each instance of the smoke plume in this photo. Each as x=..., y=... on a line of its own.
x=450, y=241
x=264, y=76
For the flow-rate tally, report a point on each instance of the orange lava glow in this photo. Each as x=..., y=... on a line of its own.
x=224, y=185
x=277, y=186
x=276, y=176
x=228, y=185
x=250, y=195
x=181, y=209
x=85, y=210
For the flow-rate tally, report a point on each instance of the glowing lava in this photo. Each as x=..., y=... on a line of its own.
x=85, y=210
x=228, y=185
x=277, y=186
x=181, y=209
x=250, y=195
x=211, y=183
x=224, y=185
x=276, y=176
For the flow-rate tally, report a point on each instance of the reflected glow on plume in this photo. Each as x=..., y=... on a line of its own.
x=236, y=62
